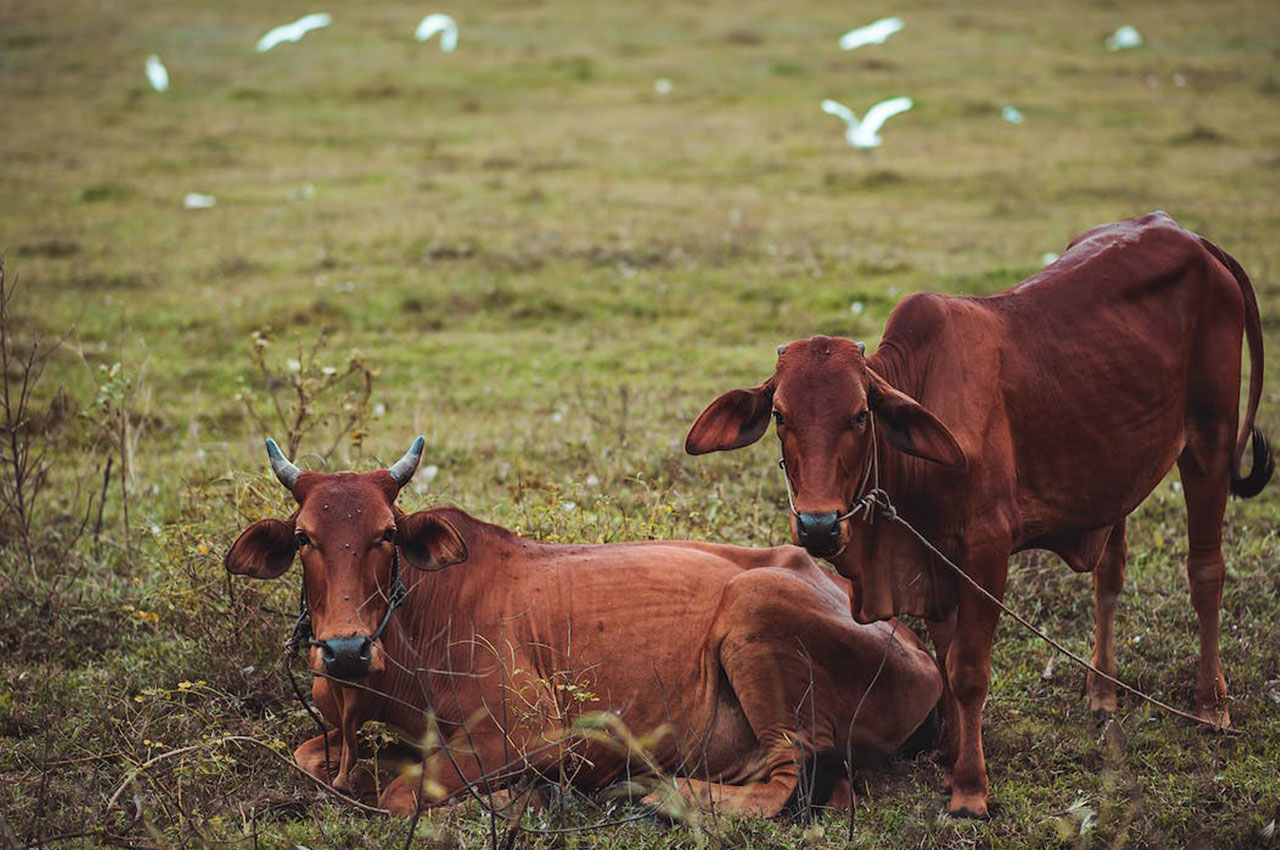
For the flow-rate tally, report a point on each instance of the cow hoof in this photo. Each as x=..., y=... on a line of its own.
x=968, y=806
x=1221, y=717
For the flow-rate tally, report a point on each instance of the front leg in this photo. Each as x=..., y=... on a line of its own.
x=478, y=760
x=969, y=676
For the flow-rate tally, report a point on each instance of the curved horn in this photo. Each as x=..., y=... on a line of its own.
x=280, y=465
x=403, y=469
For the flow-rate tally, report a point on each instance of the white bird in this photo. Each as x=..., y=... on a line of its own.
x=439, y=22
x=293, y=31
x=157, y=74
x=862, y=134
x=1012, y=114
x=1124, y=38
x=873, y=33
x=198, y=201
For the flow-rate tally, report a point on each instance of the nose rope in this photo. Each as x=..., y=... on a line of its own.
x=302, y=633
x=870, y=474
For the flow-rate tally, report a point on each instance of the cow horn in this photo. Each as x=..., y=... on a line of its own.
x=862, y=348
x=403, y=469
x=280, y=465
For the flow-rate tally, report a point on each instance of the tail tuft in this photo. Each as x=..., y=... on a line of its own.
x=1260, y=471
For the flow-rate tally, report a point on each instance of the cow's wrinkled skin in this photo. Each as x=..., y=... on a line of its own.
x=1040, y=417
x=505, y=641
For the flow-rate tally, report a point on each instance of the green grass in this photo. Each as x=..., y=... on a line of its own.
x=553, y=268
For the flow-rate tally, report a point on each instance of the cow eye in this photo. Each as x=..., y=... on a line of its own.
x=860, y=420
x=302, y=539
x=389, y=535
x=777, y=417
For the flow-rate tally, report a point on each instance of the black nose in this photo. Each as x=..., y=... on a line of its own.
x=819, y=533
x=346, y=657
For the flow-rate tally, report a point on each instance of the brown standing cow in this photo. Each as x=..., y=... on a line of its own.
x=750, y=655
x=1040, y=417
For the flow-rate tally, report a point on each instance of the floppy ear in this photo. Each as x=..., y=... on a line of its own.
x=910, y=427
x=263, y=550
x=736, y=419
x=428, y=541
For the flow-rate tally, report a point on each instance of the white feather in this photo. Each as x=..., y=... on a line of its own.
x=873, y=33
x=863, y=134
x=157, y=74
x=1124, y=38
x=293, y=31
x=438, y=22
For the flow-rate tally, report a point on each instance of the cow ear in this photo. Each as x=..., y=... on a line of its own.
x=263, y=550
x=911, y=428
x=736, y=419
x=428, y=541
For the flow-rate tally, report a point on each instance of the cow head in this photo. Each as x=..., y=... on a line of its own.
x=351, y=539
x=827, y=405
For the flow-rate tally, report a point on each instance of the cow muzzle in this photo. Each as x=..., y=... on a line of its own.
x=819, y=534
x=346, y=657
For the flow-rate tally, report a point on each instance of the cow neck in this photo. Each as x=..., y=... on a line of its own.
x=440, y=610
x=906, y=480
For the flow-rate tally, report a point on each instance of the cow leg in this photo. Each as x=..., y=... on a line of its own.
x=311, y=755
x=941, y=633
x=1108, y=581
x=1205, y=488
x=447, y=778
x=969, y=674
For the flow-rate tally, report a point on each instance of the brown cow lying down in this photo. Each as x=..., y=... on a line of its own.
x=1036, y=418
x=749, y=654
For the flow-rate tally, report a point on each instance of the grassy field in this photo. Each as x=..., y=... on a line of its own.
x=551, y=267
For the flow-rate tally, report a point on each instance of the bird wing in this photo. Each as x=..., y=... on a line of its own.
x=873, y=33
x=882, y=112
x=438, y=22
x=293, y=31
x=314, y=21
x=838, y=109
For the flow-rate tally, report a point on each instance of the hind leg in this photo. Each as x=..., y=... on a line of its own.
x=1205, y=479
x=1108, y=581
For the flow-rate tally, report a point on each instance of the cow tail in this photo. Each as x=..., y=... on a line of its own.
x=1264, y=463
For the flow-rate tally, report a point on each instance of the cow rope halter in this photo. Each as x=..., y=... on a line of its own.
x=876, y=502
x=869, y=498
x=302, y=633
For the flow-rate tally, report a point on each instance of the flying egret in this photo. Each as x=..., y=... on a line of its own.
x=862, y=134
x=439, y=22
x=157, y=74
x=873, y=33
x=293, y=31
